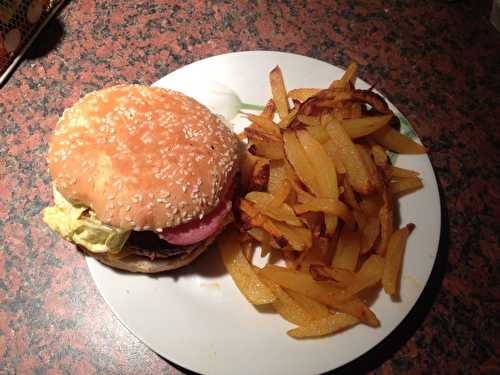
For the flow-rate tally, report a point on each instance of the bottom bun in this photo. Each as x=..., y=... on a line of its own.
x=141, y=264
x=137, y=263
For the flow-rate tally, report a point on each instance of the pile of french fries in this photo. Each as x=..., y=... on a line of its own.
x=317, y=194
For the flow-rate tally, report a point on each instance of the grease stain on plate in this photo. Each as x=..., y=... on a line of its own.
x=211, y=286
x=410, y=292
x=413, y=282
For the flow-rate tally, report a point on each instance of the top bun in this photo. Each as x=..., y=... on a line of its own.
x=142, y=158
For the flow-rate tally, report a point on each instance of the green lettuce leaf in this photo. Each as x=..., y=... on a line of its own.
x=85, y=230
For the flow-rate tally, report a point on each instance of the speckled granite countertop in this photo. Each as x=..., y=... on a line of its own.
x=438, y=61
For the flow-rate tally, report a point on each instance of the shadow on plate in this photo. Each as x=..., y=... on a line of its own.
x=209, y=264
x=382, y=352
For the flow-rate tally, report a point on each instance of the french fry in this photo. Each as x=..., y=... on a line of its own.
x=393, y=259
x=269, y=109
x=373, y=174
x=270, y=227
x=277, y=176
x=260, y=175
x=322, y=164
x=247, y=165
x=301, y=256
x=379, y=156
x=371, y=204
x=328, y=206
x=290, y=259
x=350, y=157
x=264, y=240
x=341, y=276
x=360, y=218
x=342, y=97
x=287, y=306
x=303, y=283
x=324, y=326
x=369, y=275
x=349, y=75
x=361, y=127
x=397, y=142
x=242, y=136
x=369, y=97
x=323, y=244
x=241, y=271
x=392, y=171
x=344, y=112
x=316, y=255
x=358, y=309
x=356, y=111
x=255, y=132
x=267, y=112
x=313, y=221
x=301, y=194
x=259, y=234
x=386, y=217
x=313, y=121
x=300, y=239
x=405, y=185
x=281, y=194
x=265, y=249
x=288, y=119
x=296, y=155
x=265, y=123
x=315, y=309
x=248, y=250
x=333, y=153
x=302, y=94
x=327, y=294
x=248, y=208
x=348, y=194
x=348, y=247
x=263, y=203
x=325, y=176
x=267, y=149
x=335, y=105
x=369, y=233
x=279, y=92
x=336, y=84
x=319, y=133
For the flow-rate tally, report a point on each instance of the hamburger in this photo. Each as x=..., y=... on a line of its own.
x=142, y=177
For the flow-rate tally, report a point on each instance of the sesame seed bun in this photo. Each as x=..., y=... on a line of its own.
x=142, y=158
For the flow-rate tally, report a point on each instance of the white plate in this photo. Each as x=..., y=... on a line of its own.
x=196, y=317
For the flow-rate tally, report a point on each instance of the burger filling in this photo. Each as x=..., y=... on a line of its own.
x=80, y=225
